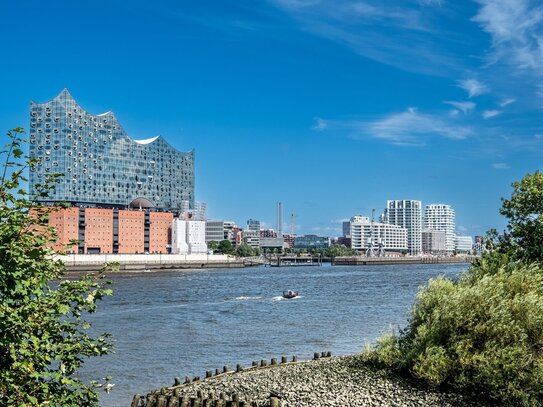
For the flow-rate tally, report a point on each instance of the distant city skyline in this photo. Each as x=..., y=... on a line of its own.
x=330, y=107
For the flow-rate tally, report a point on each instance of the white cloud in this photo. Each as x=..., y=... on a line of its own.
x=473, y=86
x=507, y=102
x=500, y=166
x=516, y=31
x=408, y=128
x=464, y=107
x=487, y=114
x=320, y=124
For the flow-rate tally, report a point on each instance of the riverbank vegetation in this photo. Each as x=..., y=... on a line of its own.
x=484, y=330
x=43, y=337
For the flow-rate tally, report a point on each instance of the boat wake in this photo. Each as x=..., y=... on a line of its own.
x=244, y=298
x=281, y=298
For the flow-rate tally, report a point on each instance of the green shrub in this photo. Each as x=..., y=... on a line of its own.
x=484, y=332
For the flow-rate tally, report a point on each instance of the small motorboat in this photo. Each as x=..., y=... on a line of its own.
x=288, y=294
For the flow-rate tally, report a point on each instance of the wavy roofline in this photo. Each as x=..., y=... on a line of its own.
x=65, y=93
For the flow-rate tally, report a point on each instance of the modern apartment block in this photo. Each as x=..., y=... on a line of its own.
x=251, y=237
x=363, y=231
x=433, y=242
x=441, y=217
x=408, y=215
x=101, y=165
x=188, y=236
x=463, y=244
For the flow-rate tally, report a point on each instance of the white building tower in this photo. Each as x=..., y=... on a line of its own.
x=407, y=214
x=441, y=217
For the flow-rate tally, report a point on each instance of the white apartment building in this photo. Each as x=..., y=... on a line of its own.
x=362, y=231
x=188, y=236
x=407, y=214
x=251, y=237
x=441, y=217
x=464, y=244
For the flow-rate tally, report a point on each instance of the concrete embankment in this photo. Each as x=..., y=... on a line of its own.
x=338, y=381
x=376, y=261
x=150, y=262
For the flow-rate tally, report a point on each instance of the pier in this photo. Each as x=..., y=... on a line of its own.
x=376, y=261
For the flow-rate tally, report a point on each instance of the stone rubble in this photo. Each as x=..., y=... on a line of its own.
x=338, y=381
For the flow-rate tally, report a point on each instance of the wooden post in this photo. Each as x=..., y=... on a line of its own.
x=295, y=358
x=217, y=372
x=316, y=355
x=283, y=359
x=328, y=354
x=185, y=401
x=176, y=381
x=274, y=402
x=135, y=401
x=162, y=401
x=151, y=400
x=199, y=394
x=263, y=363
x=239, y=368
x=187, y=380
x=225, y=369
x=255, y=363
x=273, y=361
x=173, y=401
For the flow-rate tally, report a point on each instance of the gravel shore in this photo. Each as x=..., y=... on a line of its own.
x=338, y=381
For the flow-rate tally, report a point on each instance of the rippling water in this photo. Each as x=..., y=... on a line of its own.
x=168, y=324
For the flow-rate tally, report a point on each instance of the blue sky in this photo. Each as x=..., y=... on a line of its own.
x=331, y=107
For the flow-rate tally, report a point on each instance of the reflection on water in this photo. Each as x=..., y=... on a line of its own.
x=169, y=324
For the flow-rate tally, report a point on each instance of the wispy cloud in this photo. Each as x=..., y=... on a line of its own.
x=516, y=31
x=487, y=114
x=501, y=166
x=379, y=31
x=464, y=107
x=507, y=102
x=473, y=86
x=320, y=124
x=408, y=128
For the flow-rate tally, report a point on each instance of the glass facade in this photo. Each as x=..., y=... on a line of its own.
x=101, y=164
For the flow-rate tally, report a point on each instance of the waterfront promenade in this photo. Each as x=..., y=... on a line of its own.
x=150, y=262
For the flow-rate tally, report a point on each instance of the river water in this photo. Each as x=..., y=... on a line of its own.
x=182, y=323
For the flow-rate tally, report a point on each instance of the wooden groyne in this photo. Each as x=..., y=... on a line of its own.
x=376, y=261
x=174, y=396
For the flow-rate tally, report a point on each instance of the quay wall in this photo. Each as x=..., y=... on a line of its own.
x=375, y=261
x=148, y=262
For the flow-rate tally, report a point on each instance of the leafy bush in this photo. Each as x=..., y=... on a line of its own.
x=43, y=338
x=484, y=332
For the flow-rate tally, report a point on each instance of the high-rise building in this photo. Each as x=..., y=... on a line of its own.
x=101, y=165
x=441, y=217
x=407, y=214
x=253, y=224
